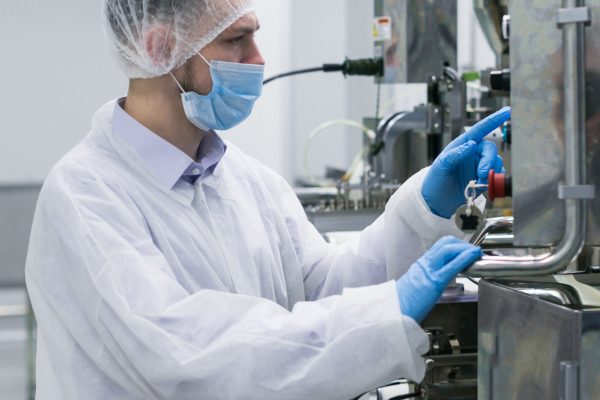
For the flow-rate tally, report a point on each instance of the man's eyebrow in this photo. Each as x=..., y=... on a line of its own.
x=247, y=29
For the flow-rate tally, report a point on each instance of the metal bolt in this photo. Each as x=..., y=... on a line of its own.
x=429, y=363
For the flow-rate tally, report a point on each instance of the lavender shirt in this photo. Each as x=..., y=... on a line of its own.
x=166, y=161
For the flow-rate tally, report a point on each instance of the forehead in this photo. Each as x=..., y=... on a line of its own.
x=246, y=24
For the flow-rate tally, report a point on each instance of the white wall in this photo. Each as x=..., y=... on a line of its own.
x=55, y=72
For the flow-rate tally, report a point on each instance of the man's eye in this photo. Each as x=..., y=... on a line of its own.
x=237, y=40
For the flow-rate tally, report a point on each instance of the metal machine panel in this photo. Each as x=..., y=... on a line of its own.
x=531, y=348
x=423, y=38
x=536, y=62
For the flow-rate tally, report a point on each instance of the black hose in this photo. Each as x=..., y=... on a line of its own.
x=365, y=67
x=297, y=72
x=472, y=280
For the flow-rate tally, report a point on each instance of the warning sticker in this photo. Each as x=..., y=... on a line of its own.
x=382, y=28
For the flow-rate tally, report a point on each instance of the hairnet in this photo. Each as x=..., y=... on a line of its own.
x=179, y=29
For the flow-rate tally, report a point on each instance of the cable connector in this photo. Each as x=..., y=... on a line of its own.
x=363, y=66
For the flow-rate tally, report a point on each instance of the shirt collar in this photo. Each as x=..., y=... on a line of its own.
x=167, y=162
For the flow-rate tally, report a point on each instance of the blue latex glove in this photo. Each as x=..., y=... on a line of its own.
x=425, y=281
x=466, y=158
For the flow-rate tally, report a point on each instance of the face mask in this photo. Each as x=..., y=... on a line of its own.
x=235, y=89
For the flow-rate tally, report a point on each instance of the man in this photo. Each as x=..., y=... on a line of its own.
x=165, y=264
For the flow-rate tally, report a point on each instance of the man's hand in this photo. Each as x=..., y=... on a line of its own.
x=425, y=281
x=466, y=158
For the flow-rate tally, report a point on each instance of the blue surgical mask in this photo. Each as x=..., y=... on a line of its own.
x=235, y=89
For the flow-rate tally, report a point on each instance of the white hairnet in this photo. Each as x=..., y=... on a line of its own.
x=173, y=31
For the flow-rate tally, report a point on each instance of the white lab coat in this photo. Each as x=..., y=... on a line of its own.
x=220, y=290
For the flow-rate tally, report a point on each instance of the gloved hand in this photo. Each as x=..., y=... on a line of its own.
x=423, y=284
x=466, y=158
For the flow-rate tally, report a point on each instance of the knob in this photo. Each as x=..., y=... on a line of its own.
x=499, y=186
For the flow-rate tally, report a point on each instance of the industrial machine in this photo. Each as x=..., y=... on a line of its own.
x=539, y=320
x=538, y=324
x=531, y=328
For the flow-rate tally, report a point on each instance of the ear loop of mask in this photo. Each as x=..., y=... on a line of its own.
x=204, y=59
x=177, y=82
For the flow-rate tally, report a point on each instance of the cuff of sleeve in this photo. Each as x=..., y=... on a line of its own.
x=409, y=206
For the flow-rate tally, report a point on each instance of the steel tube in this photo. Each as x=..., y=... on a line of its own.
x=573, y=239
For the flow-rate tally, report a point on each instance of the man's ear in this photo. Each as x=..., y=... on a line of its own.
x=159, y=42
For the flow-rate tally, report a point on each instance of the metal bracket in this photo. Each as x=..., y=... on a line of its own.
x=435, y=119
x=574, y=15
x=569, y=381
x=577, y=192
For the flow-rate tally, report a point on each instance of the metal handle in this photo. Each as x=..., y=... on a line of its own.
x=491, y=224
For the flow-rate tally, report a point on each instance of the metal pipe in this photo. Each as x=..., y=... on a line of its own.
x=498, y=241
x=573, y=239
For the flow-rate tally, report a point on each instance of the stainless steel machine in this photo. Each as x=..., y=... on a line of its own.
x=539, y=315
x=538, y=323
x=532, y=329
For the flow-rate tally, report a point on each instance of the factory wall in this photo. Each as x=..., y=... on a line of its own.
x=55, y=72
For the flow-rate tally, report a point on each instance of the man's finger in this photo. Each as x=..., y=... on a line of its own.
x=489, y=154
x=483, y=128
x=462, y=261
x=499, y=165
x=457, y=155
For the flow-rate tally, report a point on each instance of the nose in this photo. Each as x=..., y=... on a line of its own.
x=253, y=55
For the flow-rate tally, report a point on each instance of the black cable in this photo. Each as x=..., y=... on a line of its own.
x=472, y=280
x=291, y=73
x=364, y=66
x=378, y=98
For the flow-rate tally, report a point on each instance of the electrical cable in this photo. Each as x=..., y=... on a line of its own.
x=315, y=132
x=355, y=163
x=378, y=98
x=363, y=66
x=472, y=280
x=292, y=73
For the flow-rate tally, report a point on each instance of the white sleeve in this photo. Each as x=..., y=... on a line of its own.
x=411, y=228
x=92, y=260
x=383, y=251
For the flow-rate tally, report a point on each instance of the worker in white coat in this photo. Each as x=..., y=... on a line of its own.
x=164, y=263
